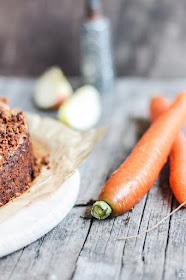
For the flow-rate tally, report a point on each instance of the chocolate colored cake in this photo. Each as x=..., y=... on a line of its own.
x=16, y=155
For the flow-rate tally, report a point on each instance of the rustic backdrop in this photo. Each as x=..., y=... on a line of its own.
x=149, y=36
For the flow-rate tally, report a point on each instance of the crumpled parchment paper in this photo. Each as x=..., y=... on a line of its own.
x=66, y=150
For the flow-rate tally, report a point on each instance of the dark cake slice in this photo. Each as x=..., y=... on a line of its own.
x=16, y=154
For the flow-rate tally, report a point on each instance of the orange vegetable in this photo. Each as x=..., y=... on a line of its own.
x=177, y=161
x=132, y=180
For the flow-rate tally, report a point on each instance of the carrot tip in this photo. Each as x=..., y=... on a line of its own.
x=101, y=210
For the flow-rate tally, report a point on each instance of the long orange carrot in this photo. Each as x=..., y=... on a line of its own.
x=136, y=175
x=177, y=163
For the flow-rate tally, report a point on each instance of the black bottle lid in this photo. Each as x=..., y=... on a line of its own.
x=93, y=8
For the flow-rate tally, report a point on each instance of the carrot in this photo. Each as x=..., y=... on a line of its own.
x=177, y=161
x=132, y=180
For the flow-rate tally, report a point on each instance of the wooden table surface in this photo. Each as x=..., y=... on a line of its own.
x=80, y=248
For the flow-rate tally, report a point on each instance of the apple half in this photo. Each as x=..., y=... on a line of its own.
x=52, y=89
x=82, y=110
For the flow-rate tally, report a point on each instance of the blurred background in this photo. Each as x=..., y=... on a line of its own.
x=148, y=36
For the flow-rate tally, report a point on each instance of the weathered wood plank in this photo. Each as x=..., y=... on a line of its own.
x=148, y=36
x=175, y=265
x=53, y=27
x=148, y=252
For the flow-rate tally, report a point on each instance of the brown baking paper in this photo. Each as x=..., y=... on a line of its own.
x=66, y=150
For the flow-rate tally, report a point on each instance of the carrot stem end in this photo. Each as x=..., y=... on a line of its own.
x=101, y=210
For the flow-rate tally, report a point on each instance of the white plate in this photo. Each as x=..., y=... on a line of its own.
x=38, y=218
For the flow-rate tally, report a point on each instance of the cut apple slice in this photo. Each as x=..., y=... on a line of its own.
x=82, y=110
x=52, y=89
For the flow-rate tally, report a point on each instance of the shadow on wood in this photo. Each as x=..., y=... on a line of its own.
x=163, y=184
x=142, y=125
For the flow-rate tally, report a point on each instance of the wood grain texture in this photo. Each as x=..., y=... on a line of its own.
x=81, y=248
x=148, y=36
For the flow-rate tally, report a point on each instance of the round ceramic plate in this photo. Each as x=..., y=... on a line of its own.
x=33, y=221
